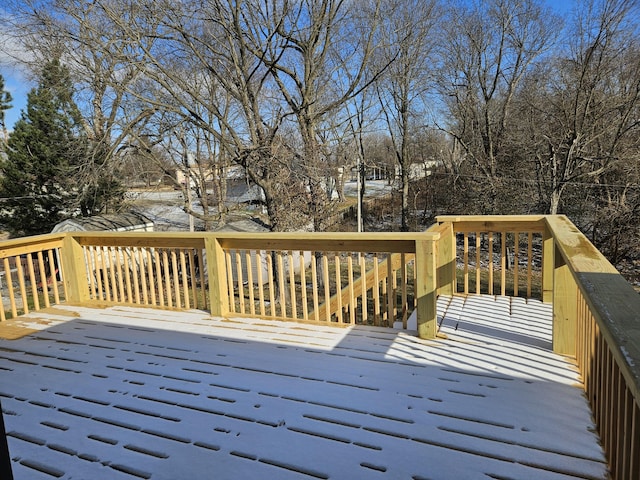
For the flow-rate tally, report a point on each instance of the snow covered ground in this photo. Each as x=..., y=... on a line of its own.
x=129, y=393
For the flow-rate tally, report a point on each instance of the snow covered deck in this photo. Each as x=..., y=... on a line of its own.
x=129, y=393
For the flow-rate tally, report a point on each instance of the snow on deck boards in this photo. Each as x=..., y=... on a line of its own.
x=129, y=393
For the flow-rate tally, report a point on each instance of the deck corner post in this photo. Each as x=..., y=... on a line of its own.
x=74, y=271
x=565, y=307
x=217, y=272
x=447, y=262
x=426, y=287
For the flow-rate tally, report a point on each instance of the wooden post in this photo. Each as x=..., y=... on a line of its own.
x=74, y=271
x=447, y=261
x=217, y=273
x=426, y=287
x=547, y=266
x=565, y=307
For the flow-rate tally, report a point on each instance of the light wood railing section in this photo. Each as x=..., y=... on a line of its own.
x=338, y=278
x=597, y=321
x=500, y=255
x=30, y=275
x=166, y=271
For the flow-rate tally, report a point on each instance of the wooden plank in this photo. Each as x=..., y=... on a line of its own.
x=128, y=274
x=272, y=296
x=529, y=262
x=327, y=290
x=292, y=285
x=34, y=283
x=426, y=288
x=516, y=261
x=74, y=272
x=175, y=277
x=338, y=297
x=219, y=301
x=9, y=282
x=303, y=286
x=490, y=234
x=261, y=283
x=151, y=278
x=250, y=284
x=314, y=286
x=363, y=293
x=185, y=279
x=228, y=278
x=351, y=298
x=503, y=263
x=166, y=275
x=281, y=283
x=237, y=255
x=376, y=291
x=565, y=298
x=478, y=268
x=465, y=256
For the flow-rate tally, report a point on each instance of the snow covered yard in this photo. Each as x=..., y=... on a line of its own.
x=129, y=393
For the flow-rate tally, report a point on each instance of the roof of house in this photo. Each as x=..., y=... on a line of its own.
x=121, y=222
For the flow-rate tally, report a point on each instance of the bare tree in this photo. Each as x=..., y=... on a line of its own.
x=488, y=49
x=102, y=66
x=410, y=41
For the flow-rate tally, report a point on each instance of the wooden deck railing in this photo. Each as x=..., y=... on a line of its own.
x=30, y=275
x=375, y=279
x=338, y=278
x=500, y=255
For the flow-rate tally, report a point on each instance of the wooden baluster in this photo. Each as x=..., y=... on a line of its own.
x=259, y=255
x=230, y=287
x=281, y=284
x=185, y=279
x=43, y=280
x=9, y=281
x=516, y=251
x=478, y=265
x=34, y=282
x=529, y=262
x=112, y=274
x=128, y=272
x=135, y=268
x=303, y=287
x=174, y=273
x=403, y=275
x=292, y=285
x=22, y=285
x=166, y=278
x=150, y=254
x=272, y=296
x=503, y=264
x=193, y=279
x=352, y=298
x=118, y=273
x=465, y=257
x=338, y=288
x=327, y=286
x=363, y=278
x=314, y=286
x=376, y=291
x=490, y=234
x=250, y=286
x=391, y=291
x=239, y=279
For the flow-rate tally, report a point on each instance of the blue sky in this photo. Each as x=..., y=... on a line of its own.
x=18, y=85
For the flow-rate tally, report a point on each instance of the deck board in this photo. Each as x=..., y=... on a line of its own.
x=138, y=393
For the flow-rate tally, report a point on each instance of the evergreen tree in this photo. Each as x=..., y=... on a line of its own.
x=46, y=145
x=5, y=104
